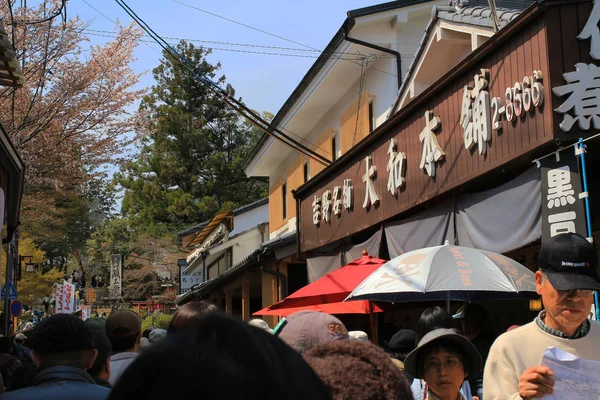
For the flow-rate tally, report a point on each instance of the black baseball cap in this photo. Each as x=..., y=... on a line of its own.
x=403, y=340
x=570, y=261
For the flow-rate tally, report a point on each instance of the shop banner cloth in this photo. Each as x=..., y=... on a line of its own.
x=574, y=377
x=68, y=298
x=447, y=272
x=562, y=209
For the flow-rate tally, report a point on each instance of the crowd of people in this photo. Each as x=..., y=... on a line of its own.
x=311, y=355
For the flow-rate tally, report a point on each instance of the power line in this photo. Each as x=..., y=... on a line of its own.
x=235, y=104
x=115, y=23
x=232, y=50
x=334, y=55
x=245, y=25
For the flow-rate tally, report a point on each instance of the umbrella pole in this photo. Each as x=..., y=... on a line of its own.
x=373, y=324
x=448, y=301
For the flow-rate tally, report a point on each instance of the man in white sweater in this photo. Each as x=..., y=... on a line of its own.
x=566, y=281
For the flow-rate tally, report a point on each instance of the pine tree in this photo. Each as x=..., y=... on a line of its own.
x=191, y=152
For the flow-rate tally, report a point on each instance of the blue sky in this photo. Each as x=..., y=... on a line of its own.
x=263, y=81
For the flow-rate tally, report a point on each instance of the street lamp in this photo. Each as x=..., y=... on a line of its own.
x=29, y=266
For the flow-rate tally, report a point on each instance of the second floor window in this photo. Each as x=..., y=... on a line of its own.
x=284, y=200
x=371, y=118
x=306, y=171
x=336, y=150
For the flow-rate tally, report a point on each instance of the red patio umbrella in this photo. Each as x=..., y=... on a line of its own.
x=347, y=307
x=333, y=287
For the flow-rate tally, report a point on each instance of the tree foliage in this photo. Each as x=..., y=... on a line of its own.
x=150, y=262
x=190, y=161
x=33, y=287
x=70, y=117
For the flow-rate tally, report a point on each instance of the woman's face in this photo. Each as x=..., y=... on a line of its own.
x=444, y=373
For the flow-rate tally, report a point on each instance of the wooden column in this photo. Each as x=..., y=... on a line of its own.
x=228, y=303
x=269, y=296
x=246, y=300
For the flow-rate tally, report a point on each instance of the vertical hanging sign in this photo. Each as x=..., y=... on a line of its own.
x=116, y=275
x=562, y=209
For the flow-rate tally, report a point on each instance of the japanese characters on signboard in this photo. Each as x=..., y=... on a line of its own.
x=580, y=94
x=186, y=281
x=68, y=298
x=562, y=209
x=116, y=275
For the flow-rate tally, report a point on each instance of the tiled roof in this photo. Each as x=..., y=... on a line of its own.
x=477, y=15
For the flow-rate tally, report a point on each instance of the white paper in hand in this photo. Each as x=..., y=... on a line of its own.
x=574, y=377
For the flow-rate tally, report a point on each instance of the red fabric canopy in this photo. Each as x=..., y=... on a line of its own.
x=347, y=307
x=333, y=287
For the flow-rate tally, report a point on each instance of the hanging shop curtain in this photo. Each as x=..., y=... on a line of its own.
x=431, y=227
x=320, y=266
x=504, y=218
x=371, y=246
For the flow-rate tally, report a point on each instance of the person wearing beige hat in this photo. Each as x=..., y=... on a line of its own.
x=444, y=359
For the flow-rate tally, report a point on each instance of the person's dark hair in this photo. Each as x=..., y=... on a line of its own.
x=62, y=339
x=477, y=320
x=23, y=377
x=188, y=315
x=102, y=344
x=245, y=362
x=146, y=333
x=123, y=343
x=447, y=346
x=6, y=345
x=433, y=318
x=358, y=370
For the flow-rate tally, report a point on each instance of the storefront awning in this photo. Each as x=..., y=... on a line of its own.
x=197, y=238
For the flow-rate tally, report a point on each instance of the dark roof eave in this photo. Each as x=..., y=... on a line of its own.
x=325, y=55
x=392, y=5
x=237, y=211
x=337, y=39
x=15, y=170
x=499, y=39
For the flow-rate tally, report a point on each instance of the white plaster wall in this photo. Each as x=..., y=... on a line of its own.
x=249, y=219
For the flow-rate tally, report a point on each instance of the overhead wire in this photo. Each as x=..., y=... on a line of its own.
x=236, y=105
x=115, y=23
x=156, y=51
x=245, y=25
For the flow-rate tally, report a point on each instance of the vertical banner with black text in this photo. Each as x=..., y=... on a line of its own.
x=562, y=209
x=116, y=275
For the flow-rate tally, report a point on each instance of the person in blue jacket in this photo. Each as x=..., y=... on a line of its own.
x=62, y=348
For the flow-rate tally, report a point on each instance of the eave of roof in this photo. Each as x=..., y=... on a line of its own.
x=325, y=55
x=475, y=16
x=225, y=217
x=14, y=167
x=236, y=212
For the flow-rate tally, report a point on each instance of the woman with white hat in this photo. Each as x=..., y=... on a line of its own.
x=444, y=360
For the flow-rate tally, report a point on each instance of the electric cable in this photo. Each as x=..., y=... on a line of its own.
x=236, y=105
